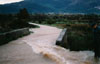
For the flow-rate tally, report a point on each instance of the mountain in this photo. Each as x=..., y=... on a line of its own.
x=31, y=7
x=72, y=6
x=56, y=6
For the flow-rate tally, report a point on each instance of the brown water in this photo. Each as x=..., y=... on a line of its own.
x=43, y=41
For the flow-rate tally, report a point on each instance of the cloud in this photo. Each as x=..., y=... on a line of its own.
x=8, y=1
x=98, y=7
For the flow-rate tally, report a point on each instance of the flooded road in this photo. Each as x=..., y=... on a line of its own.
x=43, y=41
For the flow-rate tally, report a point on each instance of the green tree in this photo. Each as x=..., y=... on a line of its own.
x=23, y=14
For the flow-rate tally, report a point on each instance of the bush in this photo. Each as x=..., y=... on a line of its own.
x=80, y=37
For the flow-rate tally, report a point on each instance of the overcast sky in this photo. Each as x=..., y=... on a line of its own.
x=8, y=1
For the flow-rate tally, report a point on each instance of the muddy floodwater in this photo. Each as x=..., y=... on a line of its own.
x=44, y=51
x=43, y=42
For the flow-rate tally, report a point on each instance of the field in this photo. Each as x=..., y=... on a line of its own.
x=77, y=24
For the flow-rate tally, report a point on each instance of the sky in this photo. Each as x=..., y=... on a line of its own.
x=8, y=1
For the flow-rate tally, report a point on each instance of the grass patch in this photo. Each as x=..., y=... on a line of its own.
x=80, y=37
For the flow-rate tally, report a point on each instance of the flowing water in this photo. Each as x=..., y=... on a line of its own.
x=43, y=41
x=63, y=56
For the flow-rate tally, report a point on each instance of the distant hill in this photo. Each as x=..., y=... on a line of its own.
x=56, y=6
x=31, y=6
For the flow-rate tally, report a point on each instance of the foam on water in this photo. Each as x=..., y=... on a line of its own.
x=63, y=56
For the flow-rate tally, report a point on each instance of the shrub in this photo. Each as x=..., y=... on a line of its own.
x=80, y=37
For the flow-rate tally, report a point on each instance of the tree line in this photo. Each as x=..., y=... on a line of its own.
x=21, y=19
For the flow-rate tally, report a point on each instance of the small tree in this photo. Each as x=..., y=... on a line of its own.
x=23, y=14
x=22, y=21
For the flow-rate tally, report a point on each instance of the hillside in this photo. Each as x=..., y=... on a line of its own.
x=56, y=6
x=31, y=6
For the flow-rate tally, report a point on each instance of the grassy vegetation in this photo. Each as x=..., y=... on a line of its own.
x=80, y=37
x=20, y=20
x=9, y=22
